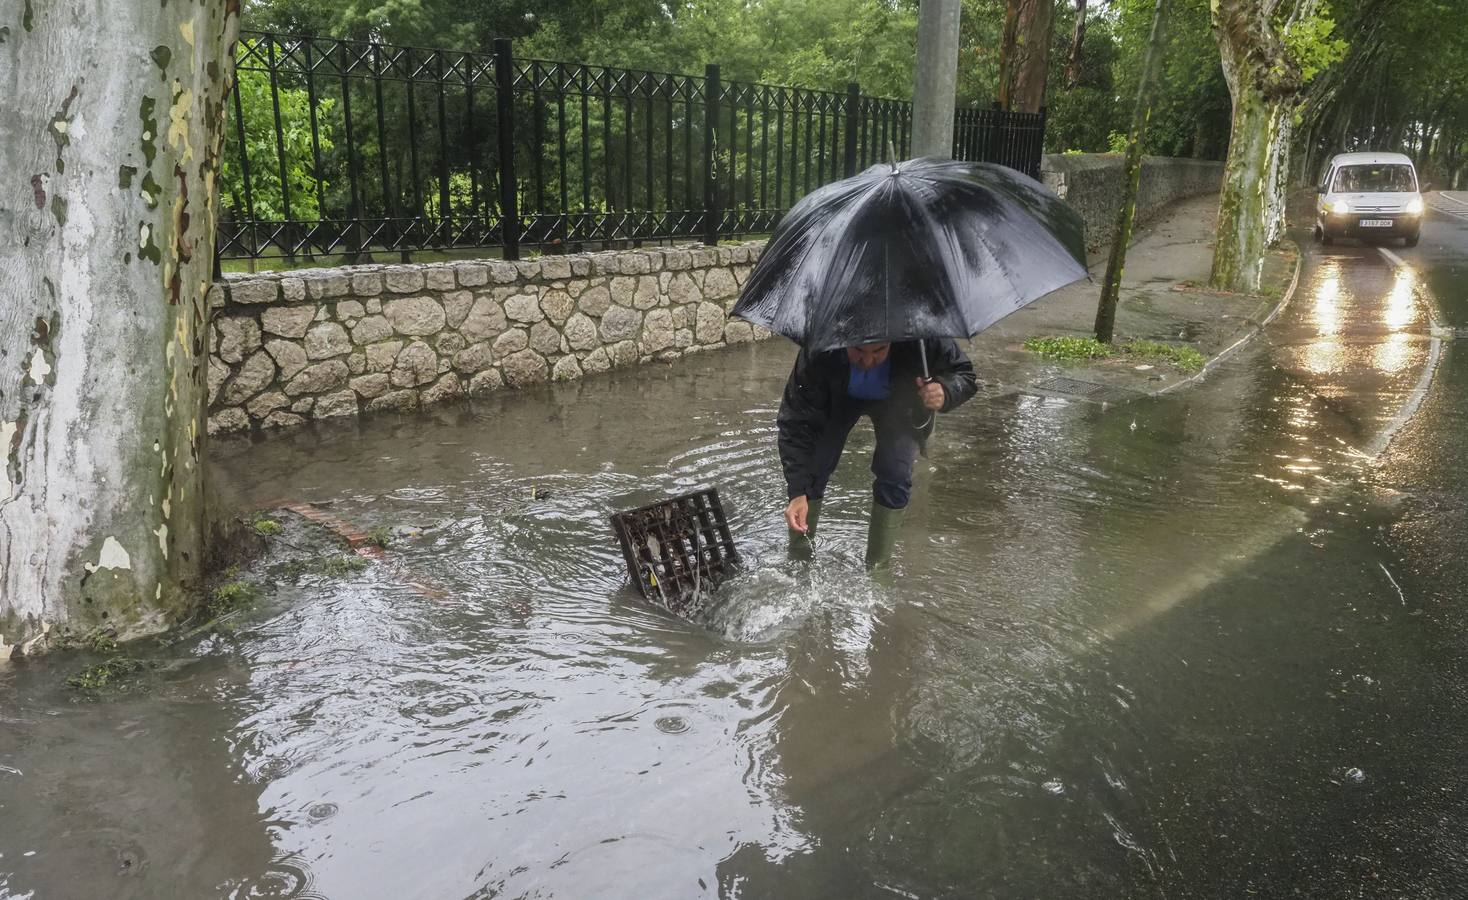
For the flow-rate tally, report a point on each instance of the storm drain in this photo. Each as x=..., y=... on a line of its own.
x=1085, y=390
x=678, y=550
x=1073, y=386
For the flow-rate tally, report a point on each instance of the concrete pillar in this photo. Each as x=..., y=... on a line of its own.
x=934, y=82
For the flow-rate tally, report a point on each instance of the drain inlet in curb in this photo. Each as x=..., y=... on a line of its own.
x=1064, y=386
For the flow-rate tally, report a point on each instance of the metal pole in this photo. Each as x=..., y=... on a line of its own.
x=853, y=114
x=504, y=74
x=934, y=83
x=712, y=210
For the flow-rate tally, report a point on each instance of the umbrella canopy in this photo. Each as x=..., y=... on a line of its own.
x=926, y=248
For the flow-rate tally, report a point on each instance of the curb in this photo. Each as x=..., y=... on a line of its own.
x=1252, y=333
x=360, y=543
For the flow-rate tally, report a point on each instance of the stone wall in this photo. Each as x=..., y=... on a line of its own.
x=1093, y=184
x=322, y=343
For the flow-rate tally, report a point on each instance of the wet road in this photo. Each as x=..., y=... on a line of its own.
x=1205, y=645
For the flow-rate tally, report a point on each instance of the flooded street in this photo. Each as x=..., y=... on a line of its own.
x=1208, y=644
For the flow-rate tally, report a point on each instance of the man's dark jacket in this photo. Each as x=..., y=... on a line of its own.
x=818, y=383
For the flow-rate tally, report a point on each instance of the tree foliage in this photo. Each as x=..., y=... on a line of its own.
x=1387, y=73
x=262, y=154
x=1401, y=85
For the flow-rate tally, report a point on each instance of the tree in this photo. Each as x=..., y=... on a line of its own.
x=1141, y=112
x=1077, y=47
x=1270, y=49
x=116, y=123
x=1403, y=86
x=1190, y=112
x=1024, y=54
x=1082, y=117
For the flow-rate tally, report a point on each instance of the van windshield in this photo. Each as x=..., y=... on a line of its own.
x=1375, y=179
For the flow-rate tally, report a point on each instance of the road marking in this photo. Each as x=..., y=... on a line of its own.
x=1434, y=329
x=1434, y=355
x=1447, y=196
x=1449, y=212
x=1414, y=400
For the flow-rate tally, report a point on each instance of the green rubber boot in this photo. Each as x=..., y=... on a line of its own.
x=803, y=545
x=882, y=535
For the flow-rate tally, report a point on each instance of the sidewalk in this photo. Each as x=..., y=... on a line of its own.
x=1158, y=303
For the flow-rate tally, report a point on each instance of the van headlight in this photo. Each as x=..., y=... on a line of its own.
x=1414, y=206
x=1340, y=207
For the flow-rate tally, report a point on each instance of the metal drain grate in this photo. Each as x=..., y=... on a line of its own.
x=1073, y=386
x=677, y=550
x=1089, y=391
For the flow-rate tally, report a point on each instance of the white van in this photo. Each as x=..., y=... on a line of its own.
x=1369, y=196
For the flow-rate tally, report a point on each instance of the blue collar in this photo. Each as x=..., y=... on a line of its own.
x=871, y=384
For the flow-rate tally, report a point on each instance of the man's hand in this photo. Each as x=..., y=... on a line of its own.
x=796, y=512
x=932, y=395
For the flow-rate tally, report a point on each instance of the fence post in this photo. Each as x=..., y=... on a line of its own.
x=999, y=123
x=853, y=120
x=713, y=212
x=1037, y=159
x=285, y=184
x=504, y=77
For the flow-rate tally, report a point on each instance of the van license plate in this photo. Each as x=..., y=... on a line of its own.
x=1376, y=223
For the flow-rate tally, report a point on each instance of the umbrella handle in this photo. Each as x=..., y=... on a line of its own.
x=923, y=354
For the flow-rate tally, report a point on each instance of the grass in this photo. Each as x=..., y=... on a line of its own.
x=105, y=674
x=266, y=527
x=337, y=566
x=380, y=536
x=1184, y=358
x=230, y=596
x=1181, y=357
x=1068, y=347
x=101, y=643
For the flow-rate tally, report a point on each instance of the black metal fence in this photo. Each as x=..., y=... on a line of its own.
x=345, y=148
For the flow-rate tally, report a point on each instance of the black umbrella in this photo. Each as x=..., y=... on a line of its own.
x=926, y=248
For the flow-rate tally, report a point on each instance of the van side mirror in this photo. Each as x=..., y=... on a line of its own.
x=1426, y=186
x=1320, y=189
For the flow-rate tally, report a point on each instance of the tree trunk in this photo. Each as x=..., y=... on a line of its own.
x=1077, y=47
x=1024, y=54
x=1305, y=157
x=1264, y=83
x=113, y=123
x=1249, y=207
x=1126, y=215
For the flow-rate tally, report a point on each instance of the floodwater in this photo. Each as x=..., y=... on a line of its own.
x=1203, y=645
